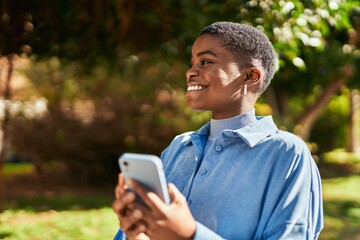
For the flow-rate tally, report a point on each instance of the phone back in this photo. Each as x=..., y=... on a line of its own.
x=147, y=170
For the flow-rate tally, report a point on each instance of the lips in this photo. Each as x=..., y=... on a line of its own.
x=195, y=87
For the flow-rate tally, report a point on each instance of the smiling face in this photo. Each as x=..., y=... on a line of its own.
x=214, y=79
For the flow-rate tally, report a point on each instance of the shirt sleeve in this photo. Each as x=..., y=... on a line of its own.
x=204, y=233
x=120, y=235
x=298, y=213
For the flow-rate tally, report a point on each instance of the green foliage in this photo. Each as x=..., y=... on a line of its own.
x=112, y=72
x=339, y=156
x=309, y=38
x=94, y=118
x=90, y=124
x=334, y=122
x=90, y=151
x=316, y=45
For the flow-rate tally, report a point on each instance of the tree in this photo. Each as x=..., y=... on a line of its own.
x=126, y=60
x=312, y=40
x=15, y=27
x=70, y=67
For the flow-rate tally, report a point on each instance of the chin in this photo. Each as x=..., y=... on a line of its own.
x=196, y=108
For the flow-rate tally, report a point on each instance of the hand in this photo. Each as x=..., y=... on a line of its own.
x=129, y=217
x=164, y=221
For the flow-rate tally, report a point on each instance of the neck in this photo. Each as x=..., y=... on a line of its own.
x=245, y=105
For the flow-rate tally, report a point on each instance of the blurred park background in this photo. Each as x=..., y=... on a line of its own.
x=82, y=81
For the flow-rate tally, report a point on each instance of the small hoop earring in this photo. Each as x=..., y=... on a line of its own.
x=245, y=89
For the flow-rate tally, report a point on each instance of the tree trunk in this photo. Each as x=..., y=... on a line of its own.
x=354, y=126
x=307, y=120
x=278, y=101
x=5, y=140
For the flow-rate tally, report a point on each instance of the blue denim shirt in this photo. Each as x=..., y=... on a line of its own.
x=256, y=182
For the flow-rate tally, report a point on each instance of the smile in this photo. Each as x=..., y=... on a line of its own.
x=195, y=88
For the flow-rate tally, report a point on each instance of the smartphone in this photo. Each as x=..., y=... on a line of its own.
x=146, y=169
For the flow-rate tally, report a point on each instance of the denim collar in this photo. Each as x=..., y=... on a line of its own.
x=251, y=134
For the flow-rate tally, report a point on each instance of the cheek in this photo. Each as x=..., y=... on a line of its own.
x=223, y=77
x=226, y=77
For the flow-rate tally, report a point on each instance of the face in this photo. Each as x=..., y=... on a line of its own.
x=214, y=78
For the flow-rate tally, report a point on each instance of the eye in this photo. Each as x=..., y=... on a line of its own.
x=204, y=62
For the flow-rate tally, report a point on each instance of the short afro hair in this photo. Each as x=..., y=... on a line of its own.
x=249, y=42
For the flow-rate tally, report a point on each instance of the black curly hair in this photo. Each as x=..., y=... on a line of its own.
x=250, y=44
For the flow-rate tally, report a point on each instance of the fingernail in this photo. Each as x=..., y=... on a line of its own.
x=130, y=182
x=130, y=197
x=142, y=228
x=137, y=214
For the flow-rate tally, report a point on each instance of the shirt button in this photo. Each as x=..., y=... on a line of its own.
x=203, y=171
x=188, y=202
x=218, y=148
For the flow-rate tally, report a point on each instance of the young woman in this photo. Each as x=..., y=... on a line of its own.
x=238, y=176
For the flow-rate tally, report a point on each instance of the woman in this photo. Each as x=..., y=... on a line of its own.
x=238, y=176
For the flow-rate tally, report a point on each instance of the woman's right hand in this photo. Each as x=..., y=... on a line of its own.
x=129, y=217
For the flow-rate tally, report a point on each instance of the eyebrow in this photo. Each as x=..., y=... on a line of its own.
x=206, y=52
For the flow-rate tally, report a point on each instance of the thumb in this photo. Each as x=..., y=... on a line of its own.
x=174, y=192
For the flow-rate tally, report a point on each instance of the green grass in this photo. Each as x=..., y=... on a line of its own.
x=15, y=168
x=58, y=217
x=59, y=203
x=65, y=225
x=66, y=216
x=341, y=208
x=78, y=216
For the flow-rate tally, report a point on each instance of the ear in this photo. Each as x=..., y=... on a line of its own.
x=253, y=76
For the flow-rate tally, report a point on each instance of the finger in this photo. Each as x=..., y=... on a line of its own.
x=120, y=187
x=137, y=232
x=118, y=208
x=141, y=207
x=123, y=203
x=142, y=236
x=175, y=197
x=174, y=192
x=142, y=192
x=121, y=180
x=128, y=198
x=156, y=206
x=131, y=221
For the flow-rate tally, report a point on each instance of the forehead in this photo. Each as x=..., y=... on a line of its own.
x=207, y=42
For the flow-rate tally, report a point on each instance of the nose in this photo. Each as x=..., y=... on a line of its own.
x=191, y=72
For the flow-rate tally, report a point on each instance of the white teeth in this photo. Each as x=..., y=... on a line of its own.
x=195, y=87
